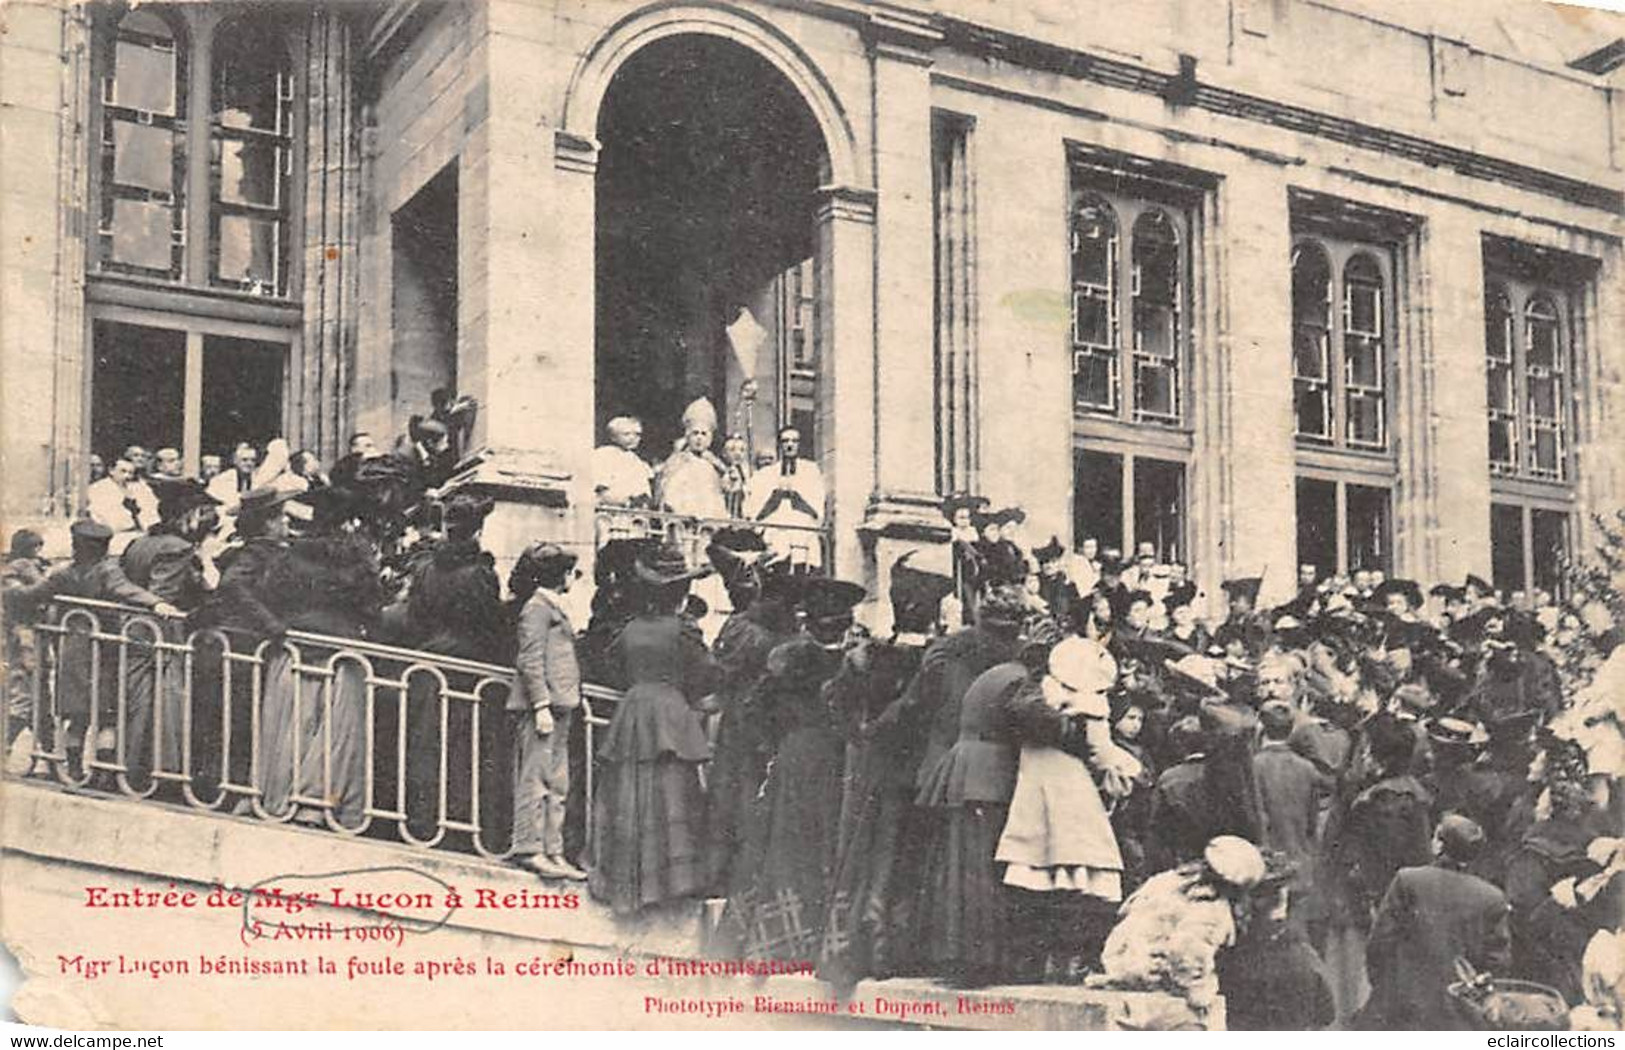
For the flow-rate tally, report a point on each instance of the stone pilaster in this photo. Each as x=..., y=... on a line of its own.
x=1248, y=451
x=900, y=44
x=846, y=317
x=1442, y=501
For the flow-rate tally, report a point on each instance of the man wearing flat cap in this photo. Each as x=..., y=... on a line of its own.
x=545, y=698
x=95, y=576
x=1430, y=917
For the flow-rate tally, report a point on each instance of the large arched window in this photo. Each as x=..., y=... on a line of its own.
x=251, y=157
x=196, y=154
x=1311, y=341
x=143, y=147
x=1131, y=251
x=1342, y=354
x=1528, y=365
x=1095, y=335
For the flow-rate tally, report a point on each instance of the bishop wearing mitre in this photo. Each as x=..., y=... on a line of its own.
x=690, y=481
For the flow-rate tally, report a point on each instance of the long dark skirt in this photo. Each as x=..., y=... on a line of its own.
x=965, y=917
x=154, y=704
x=329, y=738
x=878, y=877
x=734, y=778
x=795, y=828
x=648, y=832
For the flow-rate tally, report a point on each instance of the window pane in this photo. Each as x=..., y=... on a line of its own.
x=1159, y=507
x=249, y=172
x=1497, y=327
x=1364, y=308
x=1156, y=258
x=1503, y=443
x=144, y=73
x=1311, y=286
x=1093, y=377
x=1093, y=319
x=1309, y=352
x=1506, y=547
x=248, y=252
x=1550, y=540
x=1365, y=420
x=1368, y=527
x=137, y=388
x=1543, y=397
x=1364, y=358
x=1097, y=499
x=1543, y=334
x=242, y=392
x=1312, y=403
x=1499, y=388
x=1154, y=390
x=251, y=67
x=143, y=156
x=1094, y=237
x=142, y=234
x=1546, y=452
x=1155, y=328
x=1317, y=524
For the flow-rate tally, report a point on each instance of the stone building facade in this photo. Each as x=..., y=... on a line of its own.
x=1258, y=282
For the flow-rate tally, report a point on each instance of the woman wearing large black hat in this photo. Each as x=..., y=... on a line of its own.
x=650, y=808
x=778, y=911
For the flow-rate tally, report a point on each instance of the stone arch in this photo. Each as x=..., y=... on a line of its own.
x=590, y=82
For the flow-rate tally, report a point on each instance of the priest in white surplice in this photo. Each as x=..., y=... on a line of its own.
x=790, y=491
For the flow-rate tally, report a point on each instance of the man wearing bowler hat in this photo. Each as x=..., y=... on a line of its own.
x=545, y=698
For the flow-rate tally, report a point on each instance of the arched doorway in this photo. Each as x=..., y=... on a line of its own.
x=706, y=196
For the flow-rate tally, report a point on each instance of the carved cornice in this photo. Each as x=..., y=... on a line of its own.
x=911, y=516
x=900, y=34
x=517, y=475
x=846, y=204
x=575, y=153
x=1112, y=72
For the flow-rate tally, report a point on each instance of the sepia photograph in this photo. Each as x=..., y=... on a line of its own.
x=813, y=515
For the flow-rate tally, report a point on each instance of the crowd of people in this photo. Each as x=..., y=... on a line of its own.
x=1053, y=768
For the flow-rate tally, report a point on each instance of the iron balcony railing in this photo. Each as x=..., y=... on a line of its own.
x=803, y=545
x=360, y=738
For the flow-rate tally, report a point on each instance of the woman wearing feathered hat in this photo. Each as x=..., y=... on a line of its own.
x=650, y=809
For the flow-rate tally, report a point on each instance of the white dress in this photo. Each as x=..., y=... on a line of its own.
x=1058, y=835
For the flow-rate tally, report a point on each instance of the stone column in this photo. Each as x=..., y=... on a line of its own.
x=332, y=234
x=44, y=85
x=846, y=383
x=1442, y=501
x=526, y=279
x=1247, y=447
x=905, y=421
